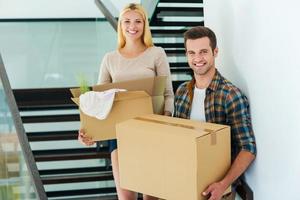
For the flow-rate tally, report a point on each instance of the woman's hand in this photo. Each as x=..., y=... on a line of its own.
x=84, y=139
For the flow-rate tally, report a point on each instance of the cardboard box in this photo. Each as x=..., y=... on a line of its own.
x=154, y=86
x=126, y=105
x=172, y=158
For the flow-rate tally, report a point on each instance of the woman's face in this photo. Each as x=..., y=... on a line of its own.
x=132, y=25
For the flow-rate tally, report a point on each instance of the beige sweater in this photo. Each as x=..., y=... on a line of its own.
x=152, y=62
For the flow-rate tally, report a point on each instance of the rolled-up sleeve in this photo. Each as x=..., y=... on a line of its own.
x=238, y=117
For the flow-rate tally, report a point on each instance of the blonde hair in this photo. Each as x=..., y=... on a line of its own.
x=147, y=38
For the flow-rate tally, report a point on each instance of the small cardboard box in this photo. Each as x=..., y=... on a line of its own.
x=172, y=158
x=126, y=105
x=154, y=86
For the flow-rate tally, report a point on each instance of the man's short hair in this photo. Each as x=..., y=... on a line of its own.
x=201, y=32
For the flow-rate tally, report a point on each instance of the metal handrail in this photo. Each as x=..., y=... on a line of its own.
x=108, y=15
x=28, y=156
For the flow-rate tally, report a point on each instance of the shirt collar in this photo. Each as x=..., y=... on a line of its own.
x=215, y=81
x=213, y=84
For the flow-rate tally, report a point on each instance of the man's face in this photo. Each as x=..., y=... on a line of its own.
x=201, y=57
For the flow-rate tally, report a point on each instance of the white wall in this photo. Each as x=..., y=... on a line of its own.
x=259, y=43
x=10, y=9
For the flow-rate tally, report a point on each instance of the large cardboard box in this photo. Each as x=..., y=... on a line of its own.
x=172, y=158
x=154, y=86
x=126, y=105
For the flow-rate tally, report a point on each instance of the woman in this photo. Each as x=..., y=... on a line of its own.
x=135, y=58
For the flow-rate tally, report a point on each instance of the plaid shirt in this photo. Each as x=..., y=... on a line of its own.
x=224, y=104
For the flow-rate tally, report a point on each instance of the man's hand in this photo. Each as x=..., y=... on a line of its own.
x=239, y=166
x=215, y=191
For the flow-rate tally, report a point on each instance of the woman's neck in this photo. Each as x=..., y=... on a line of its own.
x=133, y=49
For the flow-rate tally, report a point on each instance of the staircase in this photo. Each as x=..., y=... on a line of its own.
x=67, y=169
x=170, y=20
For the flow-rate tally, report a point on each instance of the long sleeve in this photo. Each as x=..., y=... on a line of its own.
x=238, y=117
x=163, y=69
x=104, y=75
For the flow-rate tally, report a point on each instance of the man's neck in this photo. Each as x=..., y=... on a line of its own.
x=203, y=81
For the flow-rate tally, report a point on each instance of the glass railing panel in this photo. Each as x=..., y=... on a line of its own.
x=54, y=53
x=49, y=54
x=15, y=181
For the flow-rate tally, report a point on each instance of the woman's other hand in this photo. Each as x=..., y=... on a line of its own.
x=84, y=139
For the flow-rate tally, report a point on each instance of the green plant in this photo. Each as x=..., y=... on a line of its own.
x=83, y=84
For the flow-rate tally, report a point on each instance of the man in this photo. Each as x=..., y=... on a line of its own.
x=210, y=97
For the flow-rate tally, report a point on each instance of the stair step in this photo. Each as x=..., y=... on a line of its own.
x=52, y=135
x=158, y=22
x=179, y=11
x=50, y=118
x=43, y=98
x=181, y=1
x=175, y=52
x=76, y=178
x=65, y=193
x=181, y=70
x=48, y=107
x=168, y=33
x=70, y=154
x=74, y=170
x=170, y=45
x=179, y=64
x=102, y=197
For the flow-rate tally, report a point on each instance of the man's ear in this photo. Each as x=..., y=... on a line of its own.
x=216, y=51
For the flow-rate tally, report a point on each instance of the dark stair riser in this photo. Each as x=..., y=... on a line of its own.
x=65, y=193
x=48, y=97
x=50, y=118
x=74, y=170
x=159, y=23
x=52, y=136
x=70, y=154
x=179, y=12
x=77, y=178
